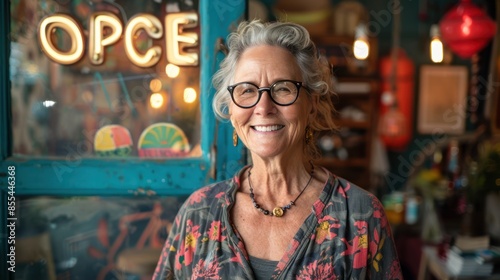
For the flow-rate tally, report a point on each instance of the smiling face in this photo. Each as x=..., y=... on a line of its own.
x=267, y=129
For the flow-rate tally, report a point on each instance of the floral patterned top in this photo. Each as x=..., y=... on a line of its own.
x=346, y=236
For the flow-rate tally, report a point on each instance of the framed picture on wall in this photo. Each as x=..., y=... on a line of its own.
x=442, y=99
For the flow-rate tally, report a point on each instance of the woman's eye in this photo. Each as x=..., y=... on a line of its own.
x=282, y=90
x=248, y=91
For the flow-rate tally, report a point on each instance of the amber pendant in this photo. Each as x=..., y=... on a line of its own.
x=277, y=212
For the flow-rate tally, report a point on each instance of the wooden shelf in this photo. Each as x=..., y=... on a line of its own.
x=362, y=86
x=357, y=88
x=338, y=50
x=359, y=93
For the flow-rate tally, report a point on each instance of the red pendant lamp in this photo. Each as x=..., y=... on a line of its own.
x=466, y=29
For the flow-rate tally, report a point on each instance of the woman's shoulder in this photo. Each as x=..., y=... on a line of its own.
x=213, y=198
x=210, y=194
x=353, y=189
x=354, y=194
x=355, y=203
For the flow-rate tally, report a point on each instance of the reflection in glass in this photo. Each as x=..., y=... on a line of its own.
x=99, y=105
x=172, y=70
x=91, y=237
x=189, y=95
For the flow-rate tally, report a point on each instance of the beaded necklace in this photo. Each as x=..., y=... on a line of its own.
x=278, y=211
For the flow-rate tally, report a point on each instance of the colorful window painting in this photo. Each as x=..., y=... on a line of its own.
x=102, y=238
x=105, y=79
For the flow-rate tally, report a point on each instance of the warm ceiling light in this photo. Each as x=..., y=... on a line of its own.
x=436, y=47
x=189, y=95
x=361, y=47
x=172, y=70
x=155, y=85
x=156, y=100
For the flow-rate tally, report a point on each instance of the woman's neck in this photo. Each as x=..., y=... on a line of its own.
x=279, y=178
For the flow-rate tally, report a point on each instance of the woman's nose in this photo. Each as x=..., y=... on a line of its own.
x=265, y=104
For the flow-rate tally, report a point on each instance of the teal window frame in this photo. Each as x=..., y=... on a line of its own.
x=79, y=176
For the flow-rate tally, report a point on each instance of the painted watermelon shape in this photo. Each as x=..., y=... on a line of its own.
x=113, y=140
x=163, y=140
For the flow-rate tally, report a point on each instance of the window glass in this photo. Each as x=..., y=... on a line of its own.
x=91, y=237
x=105, y=78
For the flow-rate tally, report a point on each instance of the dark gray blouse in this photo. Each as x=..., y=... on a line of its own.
x=262, y=269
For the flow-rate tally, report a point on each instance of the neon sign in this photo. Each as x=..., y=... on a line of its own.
x=106, y=29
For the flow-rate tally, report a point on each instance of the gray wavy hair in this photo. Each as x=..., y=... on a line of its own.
x=314, y=68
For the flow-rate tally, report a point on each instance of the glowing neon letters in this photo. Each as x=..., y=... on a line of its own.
x=105, y=29
x=97, y=42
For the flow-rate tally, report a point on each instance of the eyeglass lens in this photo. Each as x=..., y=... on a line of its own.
x=281, y=92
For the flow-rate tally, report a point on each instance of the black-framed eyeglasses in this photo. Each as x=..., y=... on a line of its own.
x=247, y=95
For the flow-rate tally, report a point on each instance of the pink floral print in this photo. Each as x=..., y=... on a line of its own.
x=346, y=236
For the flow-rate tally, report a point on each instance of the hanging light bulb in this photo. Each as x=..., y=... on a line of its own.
x=436, y=47
x=155, y=85
x=172, y=70
x=156, y=100
x=361, y=46
x=189, y=95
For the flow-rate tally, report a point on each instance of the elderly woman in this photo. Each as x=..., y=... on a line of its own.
x=281, y=217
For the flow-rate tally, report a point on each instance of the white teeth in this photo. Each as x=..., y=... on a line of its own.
x=268, y=128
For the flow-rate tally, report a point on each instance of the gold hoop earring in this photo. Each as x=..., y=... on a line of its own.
x=235, y=138
x=309, y=135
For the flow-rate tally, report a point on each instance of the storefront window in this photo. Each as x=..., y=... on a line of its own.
x=105, y=78
x=92, y=237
